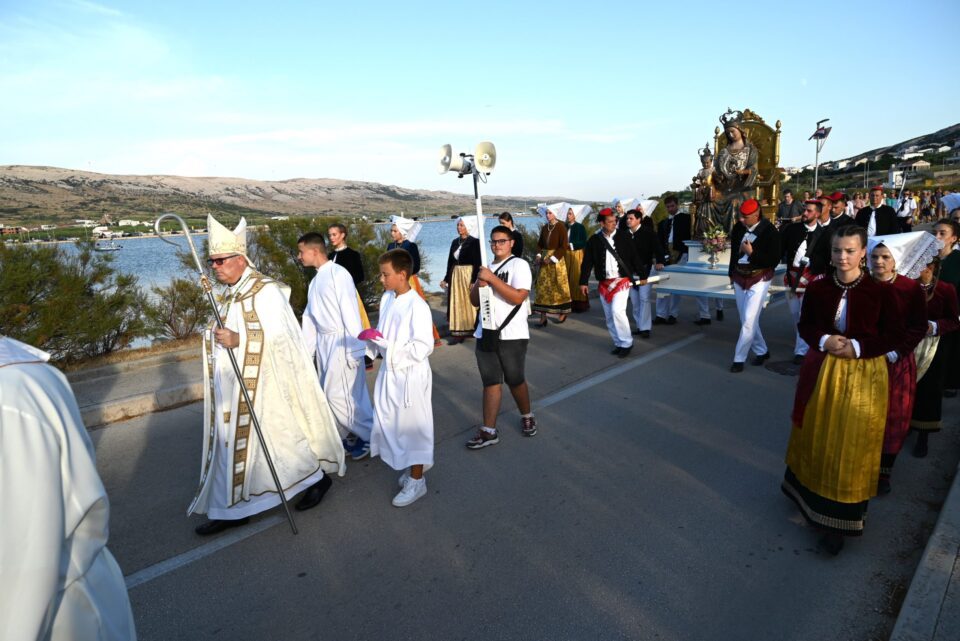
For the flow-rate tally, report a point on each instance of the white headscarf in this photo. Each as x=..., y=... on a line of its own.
x=470, y=222
x=911, y=252
x=627, y=203
x=558, y=209
x=581, y=211
x=408, y=227
x=13, y=352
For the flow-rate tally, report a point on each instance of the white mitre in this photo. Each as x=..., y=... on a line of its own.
x=221, y=240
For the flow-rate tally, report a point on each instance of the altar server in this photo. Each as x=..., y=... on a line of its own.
x=895, y=261
x=331, y=324
x=754, y=253
x=58, y=580
x=612, y=256
x=301, y=434
x=402, y=397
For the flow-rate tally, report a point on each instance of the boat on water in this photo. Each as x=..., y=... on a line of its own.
x=109, y=246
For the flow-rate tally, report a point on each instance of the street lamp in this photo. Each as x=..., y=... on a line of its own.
x=820, y=135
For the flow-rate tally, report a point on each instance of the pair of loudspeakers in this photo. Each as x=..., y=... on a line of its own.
x=484, y=159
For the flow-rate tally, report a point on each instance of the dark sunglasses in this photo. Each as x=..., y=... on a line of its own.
x=219, y=261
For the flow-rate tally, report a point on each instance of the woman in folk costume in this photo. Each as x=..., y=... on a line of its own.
x=895, y=261
x=404, y=232
x=278, y=373
x=553, y=286
x=351, y=260
x=462, y=265
x=840, y=407
x=947, y=231
x=943, y=319
x=577, y=237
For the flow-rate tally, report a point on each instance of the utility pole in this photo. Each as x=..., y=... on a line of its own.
x=820, y=135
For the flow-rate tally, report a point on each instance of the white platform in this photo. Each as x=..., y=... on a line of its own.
x=696, y=278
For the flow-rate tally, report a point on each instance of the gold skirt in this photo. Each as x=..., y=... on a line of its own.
x=573, y=258
x=364, y=319
x=553, y=287
x=461, y=314
x=835, y=453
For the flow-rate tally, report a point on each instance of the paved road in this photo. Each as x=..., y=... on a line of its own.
x=648, y=507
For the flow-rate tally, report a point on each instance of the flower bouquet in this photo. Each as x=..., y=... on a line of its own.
x=714, y=242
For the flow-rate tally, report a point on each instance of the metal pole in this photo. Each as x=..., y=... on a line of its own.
x=816, y=168
x=485, y=293
x=205, y=283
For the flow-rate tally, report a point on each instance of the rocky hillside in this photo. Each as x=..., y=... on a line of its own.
x=49, y=194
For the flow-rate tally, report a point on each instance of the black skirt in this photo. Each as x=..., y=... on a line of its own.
x=928, y=402
x=823, y=513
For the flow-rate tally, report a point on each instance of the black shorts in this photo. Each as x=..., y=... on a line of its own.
x=504, y=365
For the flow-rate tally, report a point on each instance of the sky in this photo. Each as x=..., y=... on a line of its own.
x=587, y=101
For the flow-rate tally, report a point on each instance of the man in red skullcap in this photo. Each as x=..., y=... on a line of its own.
x=754, y=253
x=878, y=219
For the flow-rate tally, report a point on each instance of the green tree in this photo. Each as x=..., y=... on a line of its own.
x=179, y=310
x=73, y=307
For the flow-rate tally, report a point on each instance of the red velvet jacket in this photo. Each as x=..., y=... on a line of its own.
x=873, y=317
x=912, y=303
x=943, y=309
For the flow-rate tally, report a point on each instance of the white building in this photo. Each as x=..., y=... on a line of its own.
x=47, y=227
x=84, y=222
x=279, y=217
x=126, y=222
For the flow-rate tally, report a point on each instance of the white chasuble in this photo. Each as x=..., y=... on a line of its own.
x=298, y=427
x=57, y=579
x=402, y=397
x=331, y=324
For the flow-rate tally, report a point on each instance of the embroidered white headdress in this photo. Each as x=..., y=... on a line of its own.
x=221, y=240
x=470, y=222
x=407, y=226
x=911, y=252
x=580, y=212
x=559, y=210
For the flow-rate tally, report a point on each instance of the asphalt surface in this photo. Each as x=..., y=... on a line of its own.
x=648, y=507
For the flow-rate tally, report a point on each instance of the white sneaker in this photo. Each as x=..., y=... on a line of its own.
x=404, y=478
x=413, y=490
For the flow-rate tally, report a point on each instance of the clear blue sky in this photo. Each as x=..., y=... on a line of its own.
x=586, y=100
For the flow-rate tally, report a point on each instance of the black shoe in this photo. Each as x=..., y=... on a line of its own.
x=635, y=332
x=920, y=447
x=702, y=321
x=659, y=320
x=949, y=393
x=719, y=314
x=832, y=543
x=645, y=334
x=314, y=494
x=736, y=368
x=616, y=351
x=672, y=320
x=624, y=352
x=215, y=526
x=883, y=486
x=761, y=359
x=798, y=359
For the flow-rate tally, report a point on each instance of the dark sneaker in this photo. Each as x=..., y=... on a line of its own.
x=482, y=439
x=360, y=450
x=528, y=426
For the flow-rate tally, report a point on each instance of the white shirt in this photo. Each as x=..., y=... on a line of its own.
x=670, y=236
x=801, y=253
x=517, y=274
x=748, y=237
x=611, y=267
x=906, y=207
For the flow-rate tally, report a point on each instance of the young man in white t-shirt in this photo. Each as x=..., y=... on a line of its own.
x=503, y=362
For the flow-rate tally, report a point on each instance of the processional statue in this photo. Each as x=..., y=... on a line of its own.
x=743, y=166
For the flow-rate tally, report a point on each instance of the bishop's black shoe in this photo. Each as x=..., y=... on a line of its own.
x=760, y=359
x=314, y=494
x=215, y=526
x=736, y=368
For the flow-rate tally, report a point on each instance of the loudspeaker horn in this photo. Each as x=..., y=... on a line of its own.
x=486, y=157
x=446, y=156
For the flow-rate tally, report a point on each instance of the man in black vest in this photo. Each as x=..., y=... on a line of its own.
x=878, y=219
x=798, y=240
x=672, y=230
x=754, y=253
x=613, y=259
x=650, y=252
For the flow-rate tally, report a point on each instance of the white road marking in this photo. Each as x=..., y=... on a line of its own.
x=157, y=570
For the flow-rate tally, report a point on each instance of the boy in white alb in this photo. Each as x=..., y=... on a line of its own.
x=402, y=397
x=501, y=353
x=331, y=324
